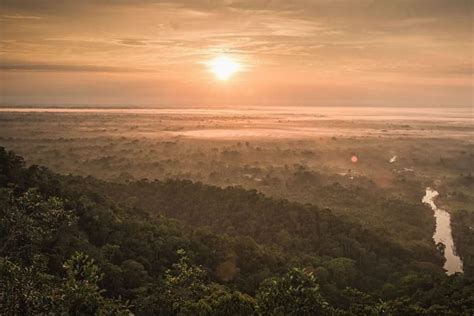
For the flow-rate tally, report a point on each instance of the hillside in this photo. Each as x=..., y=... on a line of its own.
x=178, y=247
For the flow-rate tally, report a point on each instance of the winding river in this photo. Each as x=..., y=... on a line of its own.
x=443, y=233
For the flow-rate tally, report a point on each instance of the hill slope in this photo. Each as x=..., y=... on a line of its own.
x=230, y=251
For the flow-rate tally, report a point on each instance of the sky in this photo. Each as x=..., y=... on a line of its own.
x=290, y=52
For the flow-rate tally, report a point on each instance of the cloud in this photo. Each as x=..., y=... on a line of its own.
x=325, y=8
x=306, y=42
x=37, y=67
x=132, y=41
x=20, y=17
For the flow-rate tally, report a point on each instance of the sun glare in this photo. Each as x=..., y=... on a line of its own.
x=223, y=67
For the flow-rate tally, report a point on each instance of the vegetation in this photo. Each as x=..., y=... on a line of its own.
x=381, y=196
x=85, y=246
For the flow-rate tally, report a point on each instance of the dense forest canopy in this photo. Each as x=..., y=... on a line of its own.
x=79, y=245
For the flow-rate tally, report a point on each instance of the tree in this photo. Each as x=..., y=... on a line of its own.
x=80, y=293
x=222, y=302
x=296, y=293
x=29, y=290
x=24, y=290
x=28, y=221
x=183, y=286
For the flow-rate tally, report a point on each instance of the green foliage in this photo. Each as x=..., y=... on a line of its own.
x=230, y=252
x=31, y=291
x=462, y=223
x=28, y=222
x=80, y=293
x=186, y=290
x=296, y=293
x=223, y=302
x=184, y=285
x=24, y=290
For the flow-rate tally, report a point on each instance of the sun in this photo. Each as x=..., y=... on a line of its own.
x=223, y=67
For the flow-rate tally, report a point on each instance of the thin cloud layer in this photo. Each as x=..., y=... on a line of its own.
x=64, y=68
x=298, y=51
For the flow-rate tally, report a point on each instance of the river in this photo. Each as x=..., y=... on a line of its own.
x=443, y=233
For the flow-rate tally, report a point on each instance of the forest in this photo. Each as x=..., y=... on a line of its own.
x=236, y=157
x=80, y=245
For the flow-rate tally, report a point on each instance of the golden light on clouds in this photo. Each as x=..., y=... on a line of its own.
x=224, y=67
x=318, y=52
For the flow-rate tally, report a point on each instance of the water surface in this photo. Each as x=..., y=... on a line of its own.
x=443, y=233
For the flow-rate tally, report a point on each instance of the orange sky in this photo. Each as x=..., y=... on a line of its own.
x=300, y=52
